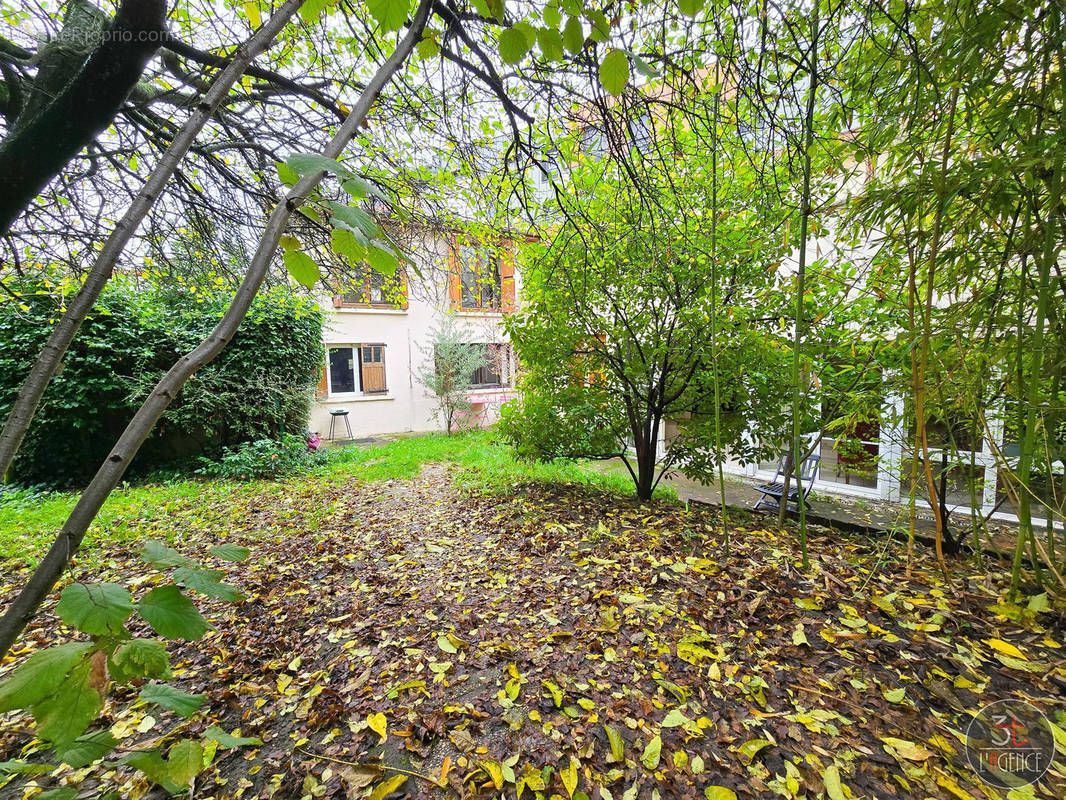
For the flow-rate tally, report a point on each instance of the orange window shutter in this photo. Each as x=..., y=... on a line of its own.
x=507, y=286
x=404, y=288
x=323, y=388
x=455, y=290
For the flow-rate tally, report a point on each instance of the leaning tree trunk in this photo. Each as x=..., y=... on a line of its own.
x=44, y=368
x=29, y=599
x=46, y=137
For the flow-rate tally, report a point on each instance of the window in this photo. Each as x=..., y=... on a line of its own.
x=373, y=289
x=495, y=369
x=356, y=368
x=479, y=278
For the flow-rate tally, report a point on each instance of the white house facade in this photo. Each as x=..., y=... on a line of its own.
x=378, y=339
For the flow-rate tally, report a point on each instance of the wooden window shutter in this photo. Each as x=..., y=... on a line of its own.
x=507, y=287
x=455, y=289
x=404, y=288
x=323, y=388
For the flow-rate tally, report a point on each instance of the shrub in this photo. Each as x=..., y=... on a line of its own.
x=261, y=386
x=264, y=458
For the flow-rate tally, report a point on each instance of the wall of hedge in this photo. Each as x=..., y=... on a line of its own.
x=260, y=386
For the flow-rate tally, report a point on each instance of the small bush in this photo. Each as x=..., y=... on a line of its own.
x=264, y=458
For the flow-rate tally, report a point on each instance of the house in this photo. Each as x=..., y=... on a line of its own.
x=378, y=336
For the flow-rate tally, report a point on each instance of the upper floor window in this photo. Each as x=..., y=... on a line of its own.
x=373, y=289
x=481, y=278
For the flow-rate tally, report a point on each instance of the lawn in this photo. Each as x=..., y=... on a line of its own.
x=432, y=618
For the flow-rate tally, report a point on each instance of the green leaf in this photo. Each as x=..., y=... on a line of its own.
x=833, y=788
x=86, y=749
x=347, y=244
x=573, y=35
x=141, y=658
x=357, y=187
x=895, y=695
x=40, y=675
x=62, y=793
x=24, y=768
x=206, y=582
x=427, y=48
x=312, y=163
x=380, y=259
x=216, y=734
x=551, y=44
x=355, y=219
x=289, y=243
x=287, y=175
x=181, y=703
x=302, y=268
x=171, y=614
x=675, y=719
x=390, y=14
x=152, y=764
x=618, y=752
x=552, y=16
x=98, y=609
x=652, y=752
x=185, y=761
x=689, y=8
x=162, y=557
x=752, y=748
x=311, y=10
x=513, y=46
x=230, y=552
x=64, y=714
x=614, y=72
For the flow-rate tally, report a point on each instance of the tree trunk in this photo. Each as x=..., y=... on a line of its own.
x=48, y=360
x=1036, y=346
x=805, y=215
x=41, y=146
x=25, y=605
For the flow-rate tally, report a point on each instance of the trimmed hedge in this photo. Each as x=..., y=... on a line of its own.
x=261, y=386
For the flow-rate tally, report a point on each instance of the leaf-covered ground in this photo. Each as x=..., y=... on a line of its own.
x=408, y=638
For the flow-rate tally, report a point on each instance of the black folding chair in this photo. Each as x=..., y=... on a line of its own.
x=772, y=491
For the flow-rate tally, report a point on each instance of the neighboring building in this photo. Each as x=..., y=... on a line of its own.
x=378, y=339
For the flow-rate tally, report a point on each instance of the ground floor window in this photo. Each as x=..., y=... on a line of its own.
x=495, y=369
x=356, y=368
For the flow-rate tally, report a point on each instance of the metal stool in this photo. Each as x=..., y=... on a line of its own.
x=343, y=414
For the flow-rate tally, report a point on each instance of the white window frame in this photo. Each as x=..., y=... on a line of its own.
x=356, y=368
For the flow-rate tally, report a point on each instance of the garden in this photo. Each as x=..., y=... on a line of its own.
x=633, y=244
x=434, y=617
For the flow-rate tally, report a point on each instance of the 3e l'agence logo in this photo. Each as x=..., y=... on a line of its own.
x=1010, y=744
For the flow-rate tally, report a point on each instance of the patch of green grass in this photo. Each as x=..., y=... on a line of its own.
x=29, y=522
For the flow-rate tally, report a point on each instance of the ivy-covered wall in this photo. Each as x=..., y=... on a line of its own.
x=260, y=386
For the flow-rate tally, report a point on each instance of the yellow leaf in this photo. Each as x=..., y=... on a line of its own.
x=387, y=787
x=909, y=750
x=833, y=788
x=251, y=10
x=1005, y=647
x=569, y=776
x=494, y=771
x=617, y=746
x=719, y=793
x=379, y=724
x=652, y=753
x=751, y=748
